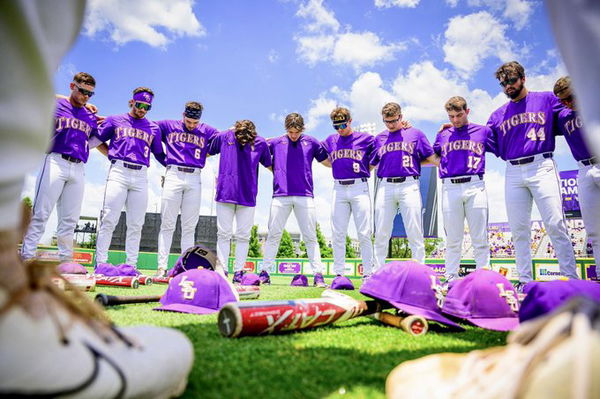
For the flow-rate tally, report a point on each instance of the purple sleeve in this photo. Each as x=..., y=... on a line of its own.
x=106, y=130
x=162, y=126
x=320, y=152
x=265, y=158
x=214, y=145
x=437, y=148
x=557, y=108
x=424, y=148
x=494, y=135
x=490, y=141
x=374, y=158
x=157, y=147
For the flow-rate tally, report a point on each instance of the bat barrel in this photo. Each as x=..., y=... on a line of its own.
x=230, y=321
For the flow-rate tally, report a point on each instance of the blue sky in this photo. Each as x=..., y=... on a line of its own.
x=263, y=59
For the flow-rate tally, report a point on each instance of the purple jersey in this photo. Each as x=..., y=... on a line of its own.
x=462, y=150
x=570, y=125
x=349, y=155
x=292, y=164
x=131, y=139
x=525, y=127
x=185, y=148
x=400, y=153
x=73, y=127
x=238, y=167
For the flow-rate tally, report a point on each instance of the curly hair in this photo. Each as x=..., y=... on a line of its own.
x=340, y=114
x=294, y=121
x=245, y=131
x=561, y=85
x=456, y=103
x=391, y=109
x=508, y=69
x=142, y=89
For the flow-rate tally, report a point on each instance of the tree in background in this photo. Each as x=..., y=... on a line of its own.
x=399, y=247
x=431, y=244
x=326, y=252
x=27, y=201
x=303, y=253
x=350, y=253
x=254, y=250
x=286, y=246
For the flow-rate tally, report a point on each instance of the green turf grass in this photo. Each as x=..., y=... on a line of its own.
x=347, y=360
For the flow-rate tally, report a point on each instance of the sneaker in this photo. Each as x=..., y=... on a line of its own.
x=160, y=272
x=237, y=276
x=69, y=348
x=319, y=281
x=264, y=277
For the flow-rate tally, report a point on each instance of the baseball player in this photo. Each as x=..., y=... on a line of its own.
x=241, y=151
x=524, y=133
x=61, y=179
x=293, y=155
x=64, y=338
x=186, y=143
x=132, y=138
x=398, y=154
x=349, y=153
x=588, y=178
x=461, y=149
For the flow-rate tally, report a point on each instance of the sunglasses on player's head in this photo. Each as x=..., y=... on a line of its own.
x=508, y=82
x=83, y=91
x=340, y=126
x=144, y=106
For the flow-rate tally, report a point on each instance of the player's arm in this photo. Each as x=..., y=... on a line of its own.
x=90, y=107
x=431, y=160
x=157, y=148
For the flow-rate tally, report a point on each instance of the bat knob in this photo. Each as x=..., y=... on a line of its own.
x=102, y=299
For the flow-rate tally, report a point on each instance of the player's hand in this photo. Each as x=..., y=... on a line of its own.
x=404, y=124
x=100, y=119
x=92, y=108
x=445, y=126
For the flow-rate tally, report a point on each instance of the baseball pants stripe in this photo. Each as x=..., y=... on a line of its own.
x=61, y=184
x=537, y=181
x=128, y=188
x=181, y=191
x=304, y=210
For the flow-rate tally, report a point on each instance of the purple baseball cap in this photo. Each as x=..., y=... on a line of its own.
x=127, y=270
x=198, y=291
x=486, y=299
x=545, y=296
x=299, y=280
x=194, y=257
x=106, y=269
x=411, y=287
x=250, y=279
x=342, y=283
x=71, y=268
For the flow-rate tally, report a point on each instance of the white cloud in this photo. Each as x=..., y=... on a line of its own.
x=155, y=22
x=367, y=96
x=322, y=18
x=322, y=41
x=396, y=3
x=519, y=12
x=472, y=38
x=319, y=109
x=452, y=3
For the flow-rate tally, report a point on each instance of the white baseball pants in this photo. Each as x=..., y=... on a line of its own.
x=181, y=191
x=61, y=183
x=129, y=188
x=353, y=199
x=537, y=181
x=588, y=182
x=460, y=201
x=390, y=198
x=244, y=218
x=304, y=210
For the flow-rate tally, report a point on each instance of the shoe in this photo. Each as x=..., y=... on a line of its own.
x=160, y=272
x=237, y=276
x=69, y=348
x=319, y=281
x=264, y=277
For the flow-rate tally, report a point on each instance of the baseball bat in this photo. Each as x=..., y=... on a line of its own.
x=145, y=280
x=161, y=280
x=411, y=324
x=82, y=282
x=113, y=300
x=270, y=317
x=121, y=281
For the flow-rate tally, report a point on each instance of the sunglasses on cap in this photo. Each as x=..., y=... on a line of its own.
x=83, y=91
x=143, y=106
x=508, y=82
x=340, y=126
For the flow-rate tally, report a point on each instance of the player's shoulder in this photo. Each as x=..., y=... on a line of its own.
x=566, y=114
x=276, y=140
